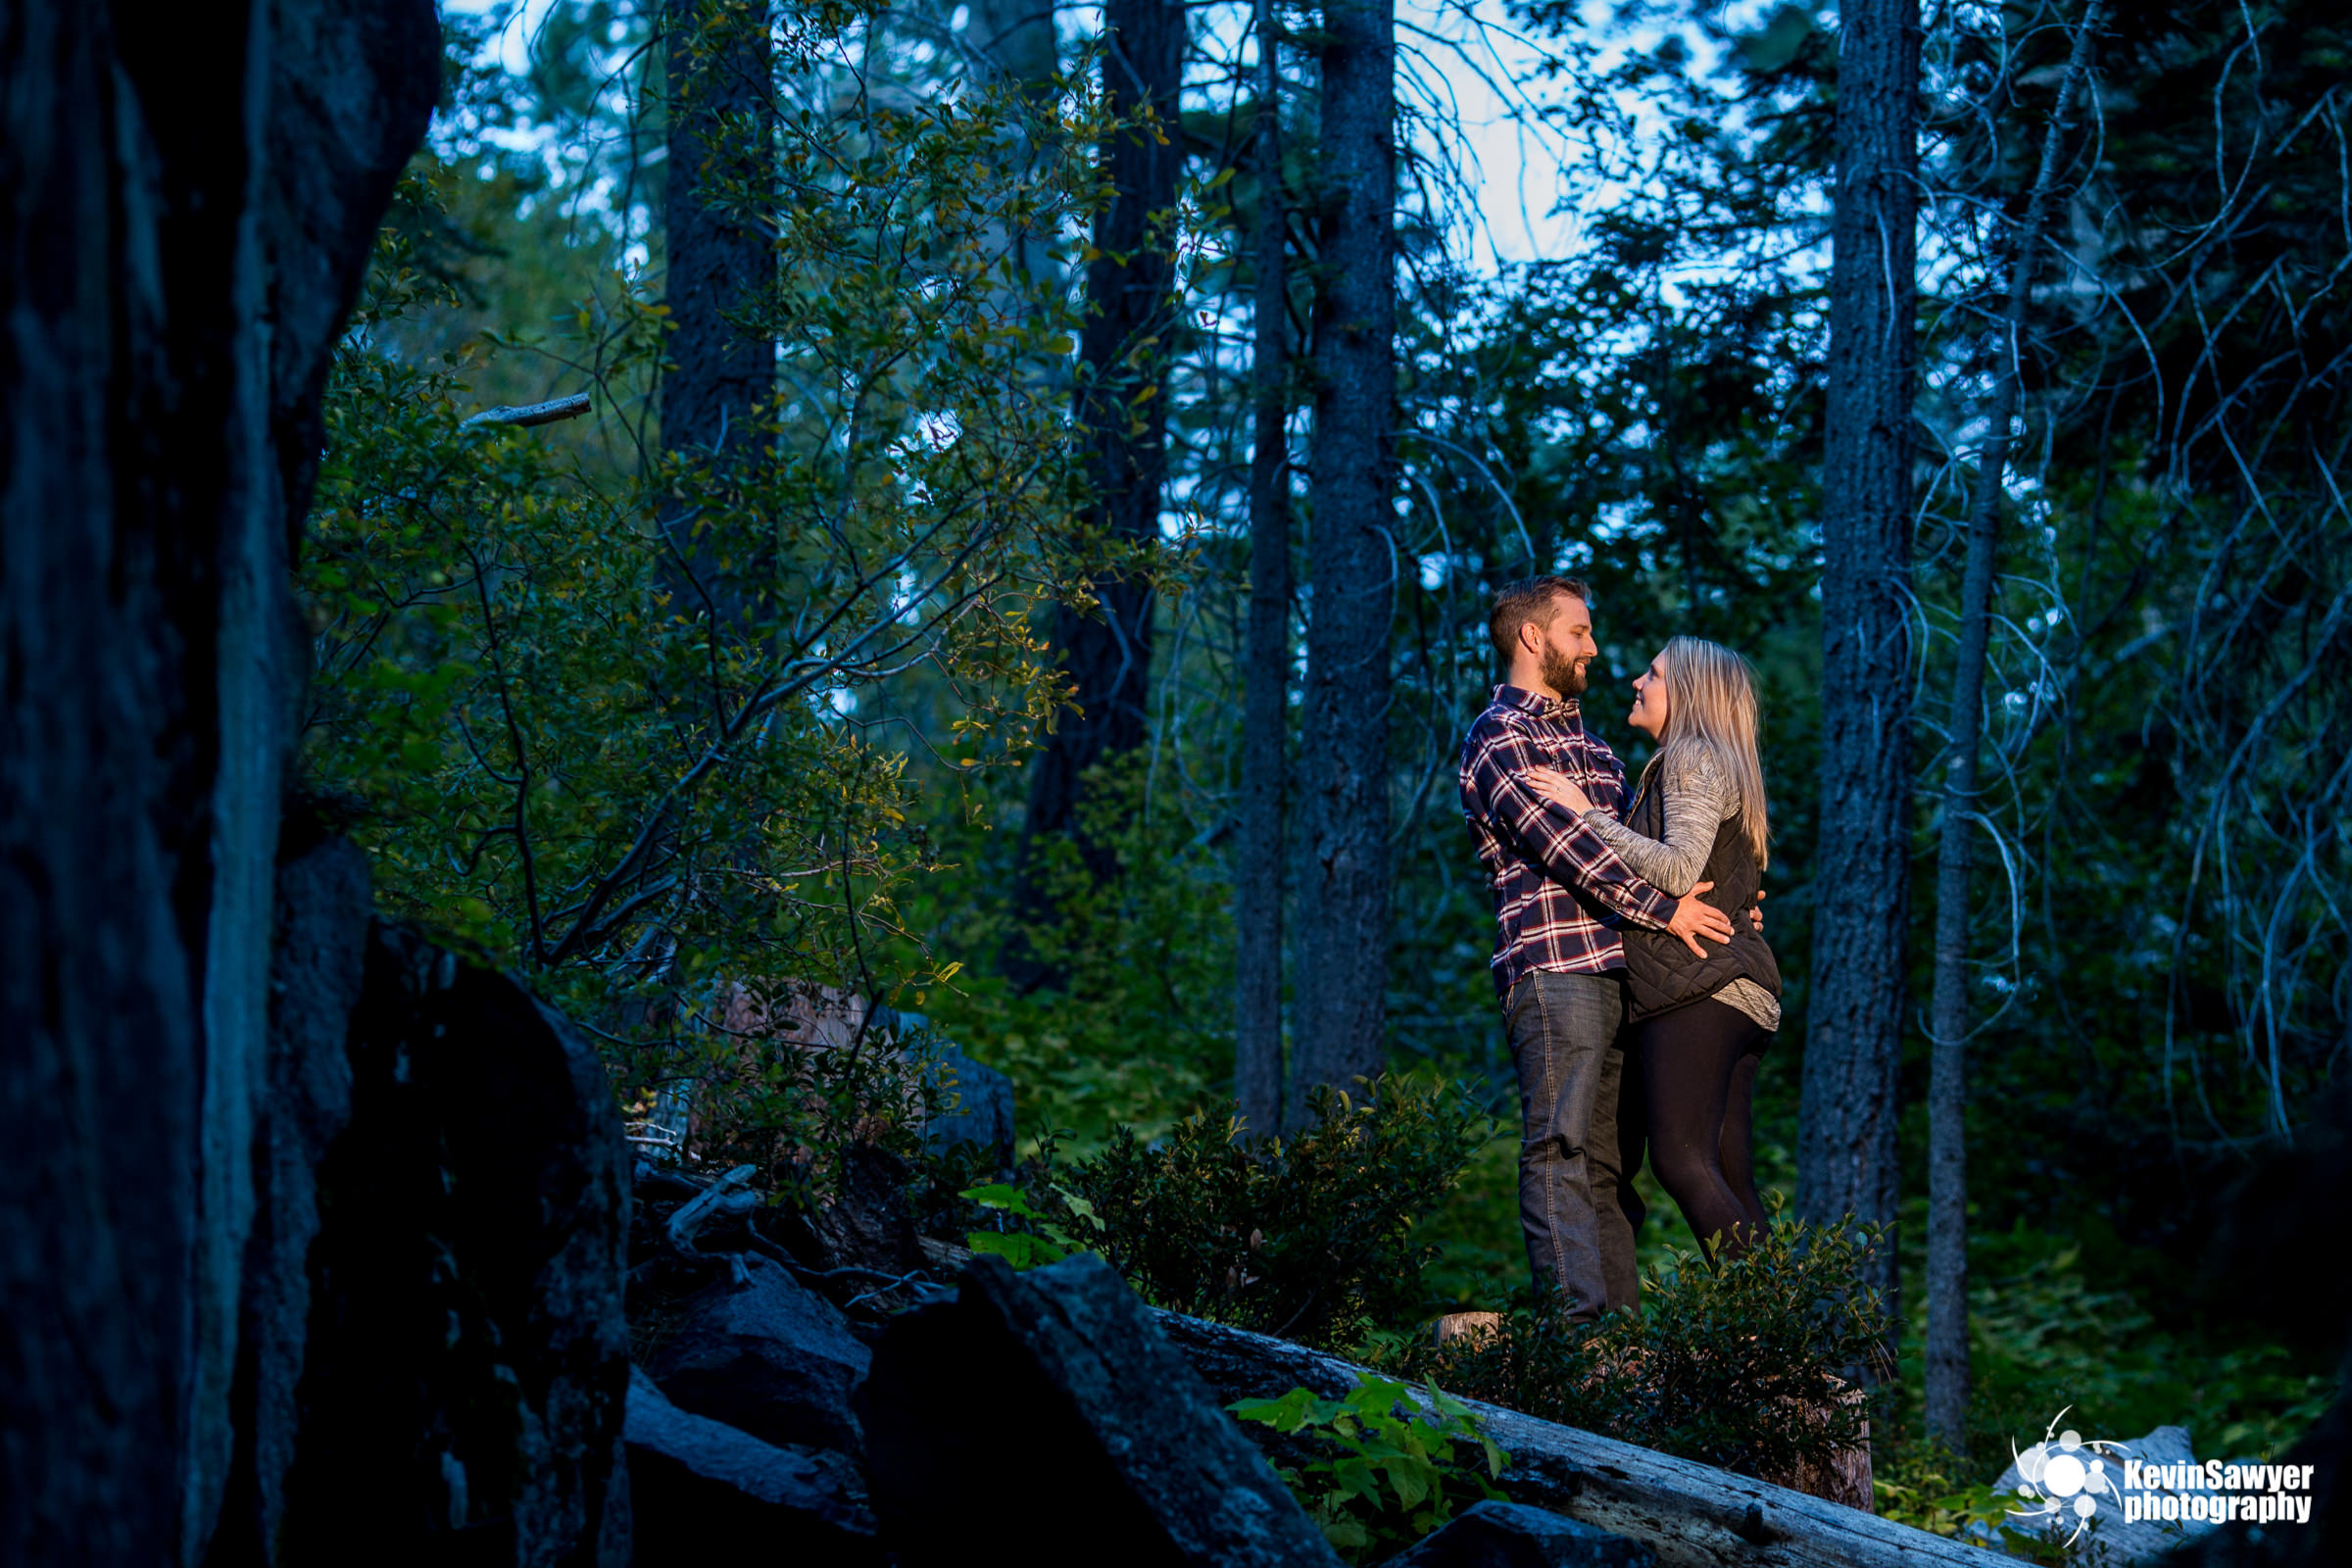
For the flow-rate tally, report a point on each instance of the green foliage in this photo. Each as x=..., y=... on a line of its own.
x=1391, y=1463
x=1751, y=1366
x=1026, y=1248
x=607, y=719
x=1137, y=1030
x=1920, y=1484
x=782, y=1076
x=509, y=701
x=1315, y=1237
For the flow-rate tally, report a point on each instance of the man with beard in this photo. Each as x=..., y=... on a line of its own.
x=1559, y=894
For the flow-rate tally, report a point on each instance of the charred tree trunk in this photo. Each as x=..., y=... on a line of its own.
x=187, y=202
x=1947, y=1362
x=1344, y=877
x=1846, y=1161
x=1259, y=842
x=719, y=62
x=1105, y=648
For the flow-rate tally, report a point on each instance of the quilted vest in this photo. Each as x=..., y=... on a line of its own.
x=1661, y=974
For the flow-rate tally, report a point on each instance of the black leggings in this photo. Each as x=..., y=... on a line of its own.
x=1699, y=1064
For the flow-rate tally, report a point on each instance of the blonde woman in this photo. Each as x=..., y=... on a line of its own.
x=1702, y=1022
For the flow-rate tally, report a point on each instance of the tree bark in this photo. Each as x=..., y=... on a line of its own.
x=1341, y=977
x=717, y=264
x=186, y=206
x=1846, y=1156
x=1260, y=842
x=1947, y=1358
x=1122, y=406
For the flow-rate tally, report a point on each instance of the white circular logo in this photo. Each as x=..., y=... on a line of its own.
x=2063, y=1475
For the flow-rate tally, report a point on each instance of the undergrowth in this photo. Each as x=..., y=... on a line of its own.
x=1317, y=1236
x=1389, y=1464
x=1755, y=1366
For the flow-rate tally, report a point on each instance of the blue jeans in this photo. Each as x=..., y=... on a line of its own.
x=1576, y=1202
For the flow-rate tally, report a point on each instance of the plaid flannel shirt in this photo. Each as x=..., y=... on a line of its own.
x=1560, y=889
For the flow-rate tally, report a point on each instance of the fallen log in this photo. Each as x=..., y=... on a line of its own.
x=729, y=1194
x=1693, y=1515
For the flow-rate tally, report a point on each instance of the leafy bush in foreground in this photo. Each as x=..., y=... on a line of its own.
x=1312, y=1237
x=1752, y=1368
x=1386, y=1470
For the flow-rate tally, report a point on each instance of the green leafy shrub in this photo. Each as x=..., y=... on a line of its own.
x=625, y=717
x=1921, y=1484
x=1751, y=1366
x=1314, y=1237
x=1132, y=930
x=1389, y=1465
x=1029, y=1249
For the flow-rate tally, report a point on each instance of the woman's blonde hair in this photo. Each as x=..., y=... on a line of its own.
x=1711, y=706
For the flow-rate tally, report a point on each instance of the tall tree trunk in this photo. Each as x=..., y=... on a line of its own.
x=1343, y=880
x=1947, y=1364
x=1122, y=407
x=1258, y=846
x=1846, y=1157
x=719, y=62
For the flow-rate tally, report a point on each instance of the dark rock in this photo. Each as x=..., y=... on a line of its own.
x=766, y=1356
x=660, y=1184
x=1055, y=1386
x=699, y=1487
x=468, y=1360
x=871, y=1222
x=150, y=666
x=1513, y=1534
x=318, y=961
x=983, y=1106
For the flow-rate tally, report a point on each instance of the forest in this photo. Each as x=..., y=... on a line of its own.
x=843, y=537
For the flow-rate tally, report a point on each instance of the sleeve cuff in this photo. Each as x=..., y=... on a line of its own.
x=1658, y=906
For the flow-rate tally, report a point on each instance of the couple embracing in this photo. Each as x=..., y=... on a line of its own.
x=1637, y=988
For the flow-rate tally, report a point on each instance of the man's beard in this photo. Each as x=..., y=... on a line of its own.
x=1562, y=675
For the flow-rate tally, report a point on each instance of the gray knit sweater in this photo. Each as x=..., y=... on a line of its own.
x=1698, y=796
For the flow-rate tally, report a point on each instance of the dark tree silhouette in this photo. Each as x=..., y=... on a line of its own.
x=718, y=75
x=1342, y=942
x=1260, y=842
x=1846, y=1159
x=1124, y=348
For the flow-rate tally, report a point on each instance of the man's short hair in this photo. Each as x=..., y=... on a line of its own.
x=1532, y=602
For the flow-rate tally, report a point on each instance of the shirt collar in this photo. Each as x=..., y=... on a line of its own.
x=1554, y=708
